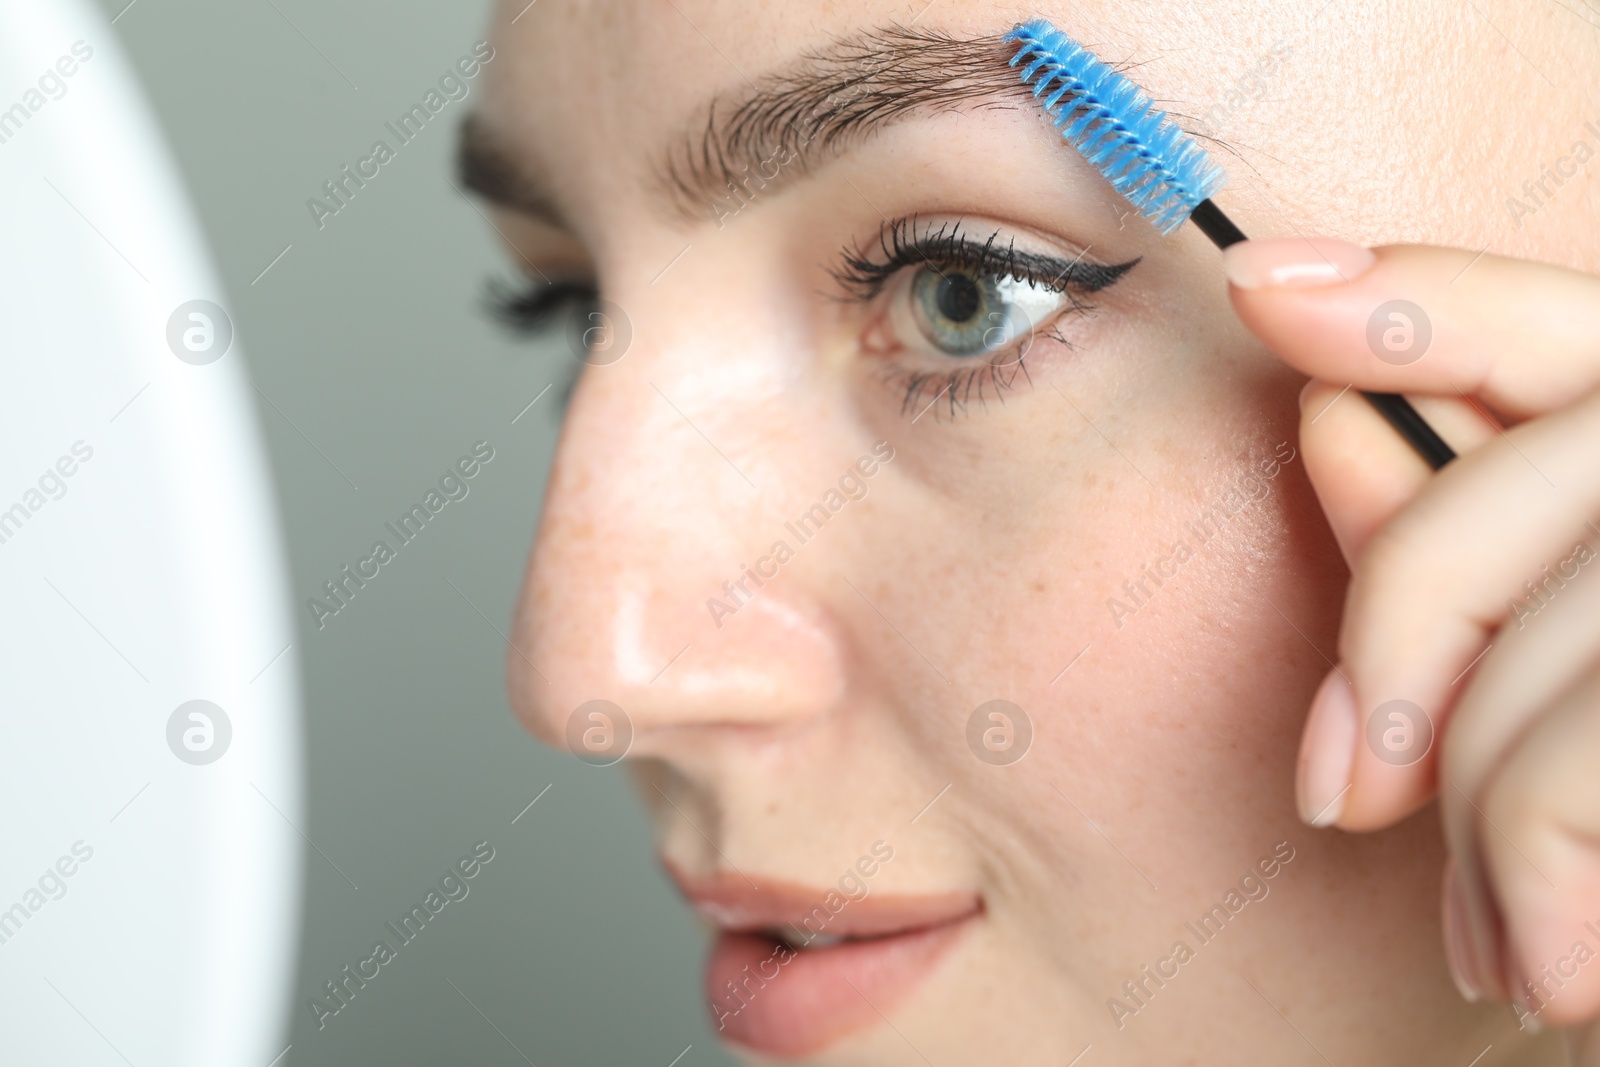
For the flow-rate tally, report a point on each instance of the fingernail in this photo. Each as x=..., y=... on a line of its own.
x=1295, y=262
x=1457, y=938
x=1305, y=390
x=1327, y=751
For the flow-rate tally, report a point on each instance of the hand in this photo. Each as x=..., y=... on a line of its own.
x=1469, y=652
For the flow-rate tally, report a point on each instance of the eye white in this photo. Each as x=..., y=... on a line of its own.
x=1016, y=308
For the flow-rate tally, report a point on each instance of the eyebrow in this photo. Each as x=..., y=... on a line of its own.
x=486, y=164
x=784, y=122
x=828, y=101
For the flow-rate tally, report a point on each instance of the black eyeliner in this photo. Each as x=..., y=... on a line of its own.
x=863, y=274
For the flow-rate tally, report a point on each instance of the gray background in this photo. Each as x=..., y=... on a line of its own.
x=380, y=369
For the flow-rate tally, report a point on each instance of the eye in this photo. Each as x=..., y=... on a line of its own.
x=948, y=295
x=955, y=317
x=965, y=312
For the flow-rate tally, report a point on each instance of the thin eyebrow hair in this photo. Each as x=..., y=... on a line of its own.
x=830, y=99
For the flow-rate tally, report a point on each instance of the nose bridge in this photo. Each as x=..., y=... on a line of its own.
x=645, y=585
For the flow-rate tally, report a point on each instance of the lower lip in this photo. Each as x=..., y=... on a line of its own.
x=798, y=1005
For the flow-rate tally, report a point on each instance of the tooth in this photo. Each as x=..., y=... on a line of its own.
x=823, y=941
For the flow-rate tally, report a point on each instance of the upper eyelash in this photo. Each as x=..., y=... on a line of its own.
x=527, y=307
x=532, y=307
x=863, y=273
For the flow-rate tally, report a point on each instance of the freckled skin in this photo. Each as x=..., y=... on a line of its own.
x=832, y=706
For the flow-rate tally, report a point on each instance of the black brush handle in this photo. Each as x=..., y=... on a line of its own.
x=1410, y=424
x=1215, y=225
x=1395, y=409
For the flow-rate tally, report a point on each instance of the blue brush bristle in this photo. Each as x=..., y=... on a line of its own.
x=1140, y=150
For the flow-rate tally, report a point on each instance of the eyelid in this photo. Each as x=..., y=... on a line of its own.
x=907, y=242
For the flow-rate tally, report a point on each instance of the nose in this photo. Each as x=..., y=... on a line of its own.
x=663, y=579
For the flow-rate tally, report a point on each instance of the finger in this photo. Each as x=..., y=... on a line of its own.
x=1525, y=337
x=1433, y=584
x=1364, y=472
x=1541, y=850
x=1547, y=648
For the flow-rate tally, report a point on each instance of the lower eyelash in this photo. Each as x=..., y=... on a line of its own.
x=951, y=393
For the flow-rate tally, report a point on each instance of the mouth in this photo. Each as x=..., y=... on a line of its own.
x=794, y=968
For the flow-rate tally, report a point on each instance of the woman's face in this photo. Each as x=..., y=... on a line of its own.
x=911, y=415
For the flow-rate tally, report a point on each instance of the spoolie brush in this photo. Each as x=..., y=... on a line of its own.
x=1155, y=166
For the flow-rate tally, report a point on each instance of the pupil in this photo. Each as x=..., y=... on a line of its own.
x=957, y=297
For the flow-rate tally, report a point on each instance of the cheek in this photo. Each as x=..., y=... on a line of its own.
x=1162, y=638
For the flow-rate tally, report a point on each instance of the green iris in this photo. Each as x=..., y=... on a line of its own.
x=969, y=313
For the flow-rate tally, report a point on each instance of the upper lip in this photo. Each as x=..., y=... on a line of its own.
x=728, y=899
